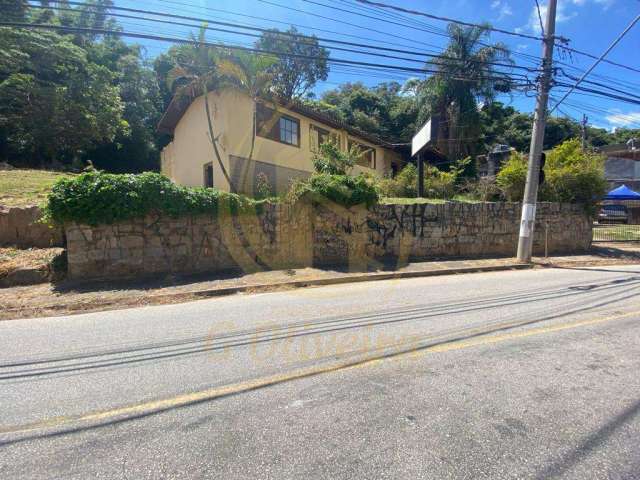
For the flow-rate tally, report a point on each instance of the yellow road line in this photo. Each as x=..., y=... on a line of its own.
x=219, y=392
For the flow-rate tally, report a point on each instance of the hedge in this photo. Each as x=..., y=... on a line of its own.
x=96, y=198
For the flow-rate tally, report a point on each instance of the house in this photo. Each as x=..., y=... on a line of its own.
x=622, y=165
x=286, y=136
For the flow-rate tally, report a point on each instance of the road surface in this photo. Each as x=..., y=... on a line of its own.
x=522, y=374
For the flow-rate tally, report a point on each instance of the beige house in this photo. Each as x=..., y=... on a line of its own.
x=286, y=137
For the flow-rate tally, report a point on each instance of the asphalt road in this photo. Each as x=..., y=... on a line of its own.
x=523, y=374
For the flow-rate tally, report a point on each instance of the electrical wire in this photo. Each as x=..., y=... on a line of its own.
x=600, y=58
x=447, y=19
x=298, y=37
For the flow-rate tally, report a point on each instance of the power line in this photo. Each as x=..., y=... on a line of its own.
x=562, y=44
x=603, y=85
x=590, y=55
x=283, y=33
x=355, y=25
x=446, y=19
x=339, y=61
x=228, y=12
x=604, y=54
x=440, y=33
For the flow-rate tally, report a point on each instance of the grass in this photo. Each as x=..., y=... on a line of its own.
x=26, y=187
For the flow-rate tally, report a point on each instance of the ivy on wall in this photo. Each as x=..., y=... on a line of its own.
x=95, y=198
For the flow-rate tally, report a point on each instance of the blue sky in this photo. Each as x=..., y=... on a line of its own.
x=591, y=25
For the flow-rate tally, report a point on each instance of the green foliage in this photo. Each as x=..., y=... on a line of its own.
x=344, y=190
x=512, y=178
x=294, y=76
x=332, y=160
x=466, y=75
x=66, y=99
x=506, y=126
x=54, y=102
x=94, y=198
x=571, y=175
x=387, y=110
x=264, y=189
x=437, y=183
x=331, y=180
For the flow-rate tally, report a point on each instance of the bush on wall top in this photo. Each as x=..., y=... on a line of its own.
x=342, y=189
x=94, y=197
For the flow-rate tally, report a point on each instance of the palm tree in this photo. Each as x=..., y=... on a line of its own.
x=250, y=74
x=466, y=76
x=195, y=74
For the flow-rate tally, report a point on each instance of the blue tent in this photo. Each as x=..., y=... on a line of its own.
x=622, y=193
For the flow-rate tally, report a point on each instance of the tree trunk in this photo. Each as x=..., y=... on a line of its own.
x=247, y=167
x=213, y=138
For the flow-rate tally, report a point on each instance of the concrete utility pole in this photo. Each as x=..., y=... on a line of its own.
x=528, y=219
x=583, y=130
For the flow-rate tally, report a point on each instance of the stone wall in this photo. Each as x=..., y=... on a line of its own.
x=284, y=236
x=19, y=227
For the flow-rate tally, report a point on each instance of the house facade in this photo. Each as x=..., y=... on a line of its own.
x=286, y=137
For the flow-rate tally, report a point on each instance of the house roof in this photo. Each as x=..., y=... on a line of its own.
x=180, y=103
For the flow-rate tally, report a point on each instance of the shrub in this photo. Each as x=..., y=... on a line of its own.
x=437, y=183
x=512, y=178
x=571, y=175
x=574, y=176
x=330, y=159
x=95, y=197
x=345, y=190
x=332, y=182
x=484, y=189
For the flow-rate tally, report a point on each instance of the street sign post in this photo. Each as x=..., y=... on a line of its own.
x=419, y=141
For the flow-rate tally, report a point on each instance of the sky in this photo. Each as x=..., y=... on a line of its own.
x=590, y=25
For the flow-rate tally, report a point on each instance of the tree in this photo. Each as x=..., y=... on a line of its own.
x=196, y=76
x=293, y=77
x=14, y=10
x=54, y=102
x=252, y=75
x=464, y=78
x=388, y=110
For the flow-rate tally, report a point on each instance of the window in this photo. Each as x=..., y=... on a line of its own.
x=274, y=126
x=289, y=131
x=318, y=136
x=208, y=175
x=367, y=156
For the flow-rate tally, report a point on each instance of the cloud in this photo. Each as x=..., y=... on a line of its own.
x=619, y=119
x=564, y=13
x=503, y=8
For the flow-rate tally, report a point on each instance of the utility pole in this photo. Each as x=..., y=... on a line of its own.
x=583, y=130
x=528, y=218
x=420, y=175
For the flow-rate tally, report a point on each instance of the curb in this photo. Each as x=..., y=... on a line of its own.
x=179, y=297
x=265, y=287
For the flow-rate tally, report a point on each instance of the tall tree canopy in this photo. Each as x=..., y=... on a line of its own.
x=388, y=110
x=295, y=76
x=465, y=77
x=75, y=97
